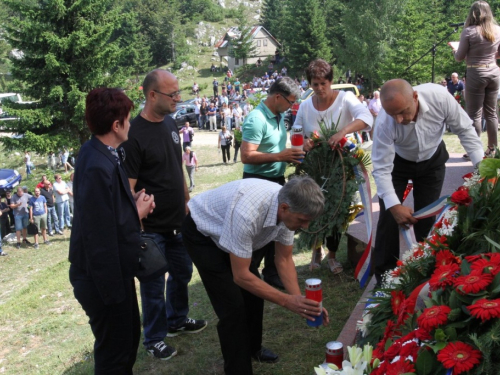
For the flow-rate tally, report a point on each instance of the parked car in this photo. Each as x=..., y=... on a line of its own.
x=9, y=179
x=183, y=113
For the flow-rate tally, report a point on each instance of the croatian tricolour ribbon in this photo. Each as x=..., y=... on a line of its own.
x=439, y=207
x=362, y=271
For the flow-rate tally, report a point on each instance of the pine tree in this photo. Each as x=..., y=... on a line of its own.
x=243, y=46
x=306, y=28
x=272, y=15
x=68, y=50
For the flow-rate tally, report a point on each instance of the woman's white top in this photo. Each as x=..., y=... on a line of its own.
x=345, y=109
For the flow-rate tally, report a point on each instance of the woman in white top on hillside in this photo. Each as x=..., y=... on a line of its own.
x=335, y=108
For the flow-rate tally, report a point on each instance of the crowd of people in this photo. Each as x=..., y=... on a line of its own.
x=49, y=207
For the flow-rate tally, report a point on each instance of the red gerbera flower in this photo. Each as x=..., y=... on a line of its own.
x=485, y=265
x=485, y=309
x=433, y=317
x=396, y=301
x=459, y=356
x=473, y=283
x=401, y=366
x=472, y=258
x=392, y=351
x=422, y=334
x=445, y=257
x=468, y=175
x=443, y=276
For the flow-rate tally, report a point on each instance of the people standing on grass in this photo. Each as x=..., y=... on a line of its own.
x=4, y=218
x=104, y=248
x=62, y=192
x=154, y=162
x=38, y=215
x=187, y=135
x=191, y=162
x=479, y=46
x=64, y=160
x=52, y=221
x=224, y=143
x=27, y=162
x=19, y=205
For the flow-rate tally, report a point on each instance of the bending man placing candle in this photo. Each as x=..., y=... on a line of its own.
x=224, y=227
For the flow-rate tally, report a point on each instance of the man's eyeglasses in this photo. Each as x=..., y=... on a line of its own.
x=173, y=95
x=289, y=102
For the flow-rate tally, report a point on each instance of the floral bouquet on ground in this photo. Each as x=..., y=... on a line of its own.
x=333, y=170
x=438, y=311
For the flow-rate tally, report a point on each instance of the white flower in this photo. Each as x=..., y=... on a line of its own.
x=355, y=354
x=362, y=325
x=348, y=369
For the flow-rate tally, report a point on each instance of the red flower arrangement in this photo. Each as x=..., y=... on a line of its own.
x=473, y=283
x=461, y=197
x=485, y=309
x=459, y=356
x=433, y=317
x=485, y=265
x=443, y=276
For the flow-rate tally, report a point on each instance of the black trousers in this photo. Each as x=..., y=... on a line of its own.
x=428, y=178
x=240, y=312
x=268, y=251
x=226, y=151
x=116, y=328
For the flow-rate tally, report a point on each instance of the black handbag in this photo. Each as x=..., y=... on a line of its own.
x=152, y=260
x=32, y=229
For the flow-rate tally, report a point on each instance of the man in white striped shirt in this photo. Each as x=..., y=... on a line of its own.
x=224, y=227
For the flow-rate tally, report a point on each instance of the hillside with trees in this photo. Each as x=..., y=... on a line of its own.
x=68, y=47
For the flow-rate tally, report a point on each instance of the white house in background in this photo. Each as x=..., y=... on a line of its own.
x=264, y=42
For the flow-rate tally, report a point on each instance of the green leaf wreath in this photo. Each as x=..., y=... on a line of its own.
x=332, y=169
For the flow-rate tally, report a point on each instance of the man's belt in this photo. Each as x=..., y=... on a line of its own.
x=482, y=66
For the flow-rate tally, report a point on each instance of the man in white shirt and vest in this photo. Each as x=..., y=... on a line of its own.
x=408, y=145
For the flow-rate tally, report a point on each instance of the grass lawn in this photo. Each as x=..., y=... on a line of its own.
x=45, y=331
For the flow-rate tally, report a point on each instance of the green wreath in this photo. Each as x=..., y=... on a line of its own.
x=333, y=171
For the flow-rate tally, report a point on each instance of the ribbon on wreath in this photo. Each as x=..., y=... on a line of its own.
x=439, y=207
x=362, y=272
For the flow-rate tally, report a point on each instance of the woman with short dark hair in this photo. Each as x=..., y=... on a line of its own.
x=105, y=240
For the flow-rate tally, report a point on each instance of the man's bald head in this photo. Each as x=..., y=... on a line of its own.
x=154, y=78
x=391, y=89
x=399, y=101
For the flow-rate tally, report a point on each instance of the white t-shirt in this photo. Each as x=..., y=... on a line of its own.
x=60, y=198
x=344, y=110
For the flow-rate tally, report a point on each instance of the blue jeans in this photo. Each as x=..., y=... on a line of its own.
x=63, y=214
x=52, y=218
x=28, y=169
x=158, y=313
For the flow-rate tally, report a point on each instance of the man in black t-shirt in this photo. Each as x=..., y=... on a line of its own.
x=154, y=162
x=52, y=219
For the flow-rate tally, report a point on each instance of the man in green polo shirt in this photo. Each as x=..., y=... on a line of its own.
x=264, y=153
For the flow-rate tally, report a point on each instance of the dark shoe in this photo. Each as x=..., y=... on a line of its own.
x=265, y=355
x=161, y=351
x=191, y=326
x=47, y=242
x=274, y=280
x=36, y=246
x=26, y=242
x=51, y=234
x=18, y=245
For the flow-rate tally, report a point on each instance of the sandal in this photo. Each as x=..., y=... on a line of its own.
x=317, y=257
x=490, y=152
x=335, y=266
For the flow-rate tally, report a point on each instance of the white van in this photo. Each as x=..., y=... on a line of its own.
x=11, y=97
